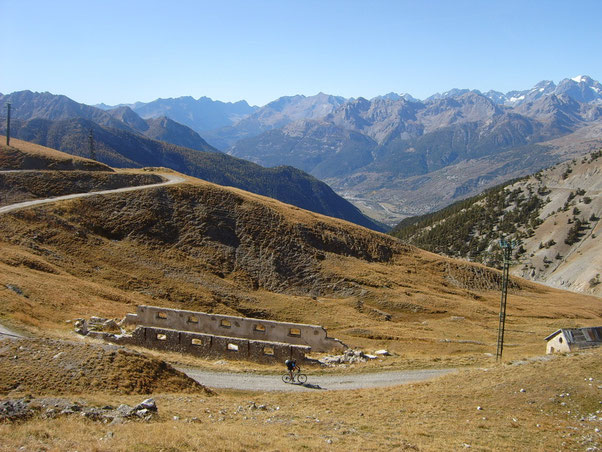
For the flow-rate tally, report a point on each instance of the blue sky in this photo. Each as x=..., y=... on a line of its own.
x=125, y=51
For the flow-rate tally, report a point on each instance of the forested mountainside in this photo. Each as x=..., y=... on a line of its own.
x=553, y=217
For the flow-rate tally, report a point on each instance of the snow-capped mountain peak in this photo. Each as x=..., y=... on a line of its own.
x=581, y=88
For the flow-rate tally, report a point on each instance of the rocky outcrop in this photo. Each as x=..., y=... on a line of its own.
x=19, y=409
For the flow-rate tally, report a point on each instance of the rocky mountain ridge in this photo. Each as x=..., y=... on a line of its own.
x=274, y=115
x=581, y=88
x=405, y=139
x=27, y=105
x=200, y=114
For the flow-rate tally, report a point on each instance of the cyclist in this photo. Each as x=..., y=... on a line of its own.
x=291, y=365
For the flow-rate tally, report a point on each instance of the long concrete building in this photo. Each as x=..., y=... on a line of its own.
x=204, y=334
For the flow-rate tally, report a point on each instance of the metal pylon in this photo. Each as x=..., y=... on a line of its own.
x=507, y=249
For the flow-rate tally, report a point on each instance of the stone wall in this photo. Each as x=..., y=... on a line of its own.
x=208, y=345
x=258, y=330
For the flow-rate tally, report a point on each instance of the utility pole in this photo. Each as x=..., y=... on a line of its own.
x=8, y=124
x=91, y=145
x=507, y=250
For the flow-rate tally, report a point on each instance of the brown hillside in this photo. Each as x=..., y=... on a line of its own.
x=216, y=249
x=16, y=187
x=23, y=155
x=45, y=366
x=544, y=405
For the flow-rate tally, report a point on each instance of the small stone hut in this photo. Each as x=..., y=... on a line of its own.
x=570, y=339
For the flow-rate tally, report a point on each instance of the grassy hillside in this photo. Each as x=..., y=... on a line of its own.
x=201, y=246
x=23, y=155
x=540, y=406
x=205, y=247
x=553, y=216
x=122, y=148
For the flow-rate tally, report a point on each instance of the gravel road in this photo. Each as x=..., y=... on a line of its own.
x=253, y=382
x=4, y=332
x=171, y=179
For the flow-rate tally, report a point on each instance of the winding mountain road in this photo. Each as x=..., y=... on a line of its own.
x=171, y=180
x=254, y=382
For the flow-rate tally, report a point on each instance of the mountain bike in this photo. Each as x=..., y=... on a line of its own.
x=298, y=378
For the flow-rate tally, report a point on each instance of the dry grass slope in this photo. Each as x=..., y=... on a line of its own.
x=24, y=186
x=205, y=247
x=45, y=366
x=537, y=406
x=23, y=155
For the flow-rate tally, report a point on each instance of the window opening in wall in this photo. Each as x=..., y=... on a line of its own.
x=259, y=328
x=197, y=342
x=162, y=315
x=225, y=323
x=193, y=319
x=560, y=340
x=296, y=332
x=162, y=337
x=233, y=347
x=268, y=351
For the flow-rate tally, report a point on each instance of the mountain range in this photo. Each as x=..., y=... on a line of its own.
x=200, y=114
x=27, y=105
x=393, y=156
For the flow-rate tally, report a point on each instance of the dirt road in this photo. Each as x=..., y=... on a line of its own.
x=171, y=179
x=5, y=332
x=253, y=382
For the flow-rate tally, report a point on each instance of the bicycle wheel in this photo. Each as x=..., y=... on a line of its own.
x=301, y=378
x=287, y=378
